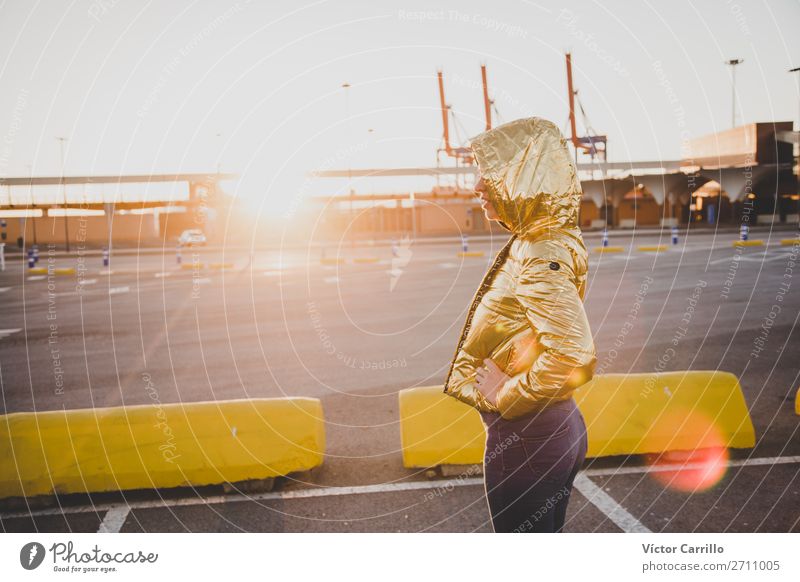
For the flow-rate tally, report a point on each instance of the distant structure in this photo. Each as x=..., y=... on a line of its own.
x=126, y=209
x=744, y=174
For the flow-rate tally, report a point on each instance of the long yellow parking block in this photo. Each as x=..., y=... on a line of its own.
x=149, y=446
x=624, y=413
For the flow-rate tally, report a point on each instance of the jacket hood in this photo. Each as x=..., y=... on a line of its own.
x=529, y=176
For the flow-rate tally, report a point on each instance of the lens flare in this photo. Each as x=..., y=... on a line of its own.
x=526, y=350
x=698, y=459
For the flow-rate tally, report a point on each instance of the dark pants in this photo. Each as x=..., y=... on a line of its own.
x=530, y=464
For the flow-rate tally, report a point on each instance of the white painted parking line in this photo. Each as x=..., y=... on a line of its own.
x=605, y=503
x=625, y=257
x=760, y=461
x=380, y=488
x=447, y=265
x=114, y=519
x=757, y=257
x=765, y=258
x=118, y=290
x=331, y=280
x=4, y=333
x=87, y=281
x=4, y=289
x=37, y=277
x=163, y=274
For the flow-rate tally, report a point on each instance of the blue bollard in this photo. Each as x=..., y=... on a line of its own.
x=105, y=257
x=31, y=260
x=674, y=235
x=605, y=237
x=464, y=243
x=744, y=231
x=36, y=254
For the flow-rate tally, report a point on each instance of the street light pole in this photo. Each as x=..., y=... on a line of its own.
x=732, y=63
x=33, y=205
x=61, y=141
x=797, y=203
x=346, y=87
x=219, y=155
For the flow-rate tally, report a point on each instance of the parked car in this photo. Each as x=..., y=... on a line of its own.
x=192, y=237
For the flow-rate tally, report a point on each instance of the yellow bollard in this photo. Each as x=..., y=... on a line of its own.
x=625, y=414
x=171, y=445
x=797, y=402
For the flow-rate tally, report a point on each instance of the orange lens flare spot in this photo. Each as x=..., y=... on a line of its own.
x=698, y=469
x=578, y=377
x=526, y=350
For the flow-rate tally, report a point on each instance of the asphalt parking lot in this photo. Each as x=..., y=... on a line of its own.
x=353, y=334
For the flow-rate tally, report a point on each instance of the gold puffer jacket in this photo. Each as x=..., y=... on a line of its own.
x=527, y=315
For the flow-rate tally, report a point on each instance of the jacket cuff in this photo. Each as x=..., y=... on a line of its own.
x=470, y=395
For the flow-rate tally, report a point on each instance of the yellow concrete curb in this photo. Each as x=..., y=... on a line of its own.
x=37, y=271
x=652, y=248
x=625, y=414
x=366, y=260
x=436, y=429
x=64, y=271
x=609, y=249
x=149, y=446
x=331, y=261
x=192, y=266
x=471, y=254
x=797, y=402
x=748, y=243
x=788, y=242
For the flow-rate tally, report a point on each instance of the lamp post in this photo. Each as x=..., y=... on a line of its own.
x=219, y=154
x=732, y=63
x=797, y=205
x=33, y=205
x=346, y=86
x=61, y=141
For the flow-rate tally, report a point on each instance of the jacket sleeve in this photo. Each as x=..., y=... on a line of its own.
x=553, y=307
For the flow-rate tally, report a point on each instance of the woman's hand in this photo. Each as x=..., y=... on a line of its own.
x=490, y=380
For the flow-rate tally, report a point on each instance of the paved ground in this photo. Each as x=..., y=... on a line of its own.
x=354, y=334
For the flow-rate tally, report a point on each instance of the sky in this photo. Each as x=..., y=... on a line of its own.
x=255, y=88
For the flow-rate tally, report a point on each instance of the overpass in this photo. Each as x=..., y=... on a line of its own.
x=130, y=208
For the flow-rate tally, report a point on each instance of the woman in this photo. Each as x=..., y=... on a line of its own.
x=526, y=344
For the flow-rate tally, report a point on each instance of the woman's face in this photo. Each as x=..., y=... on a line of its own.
x=486, y=204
